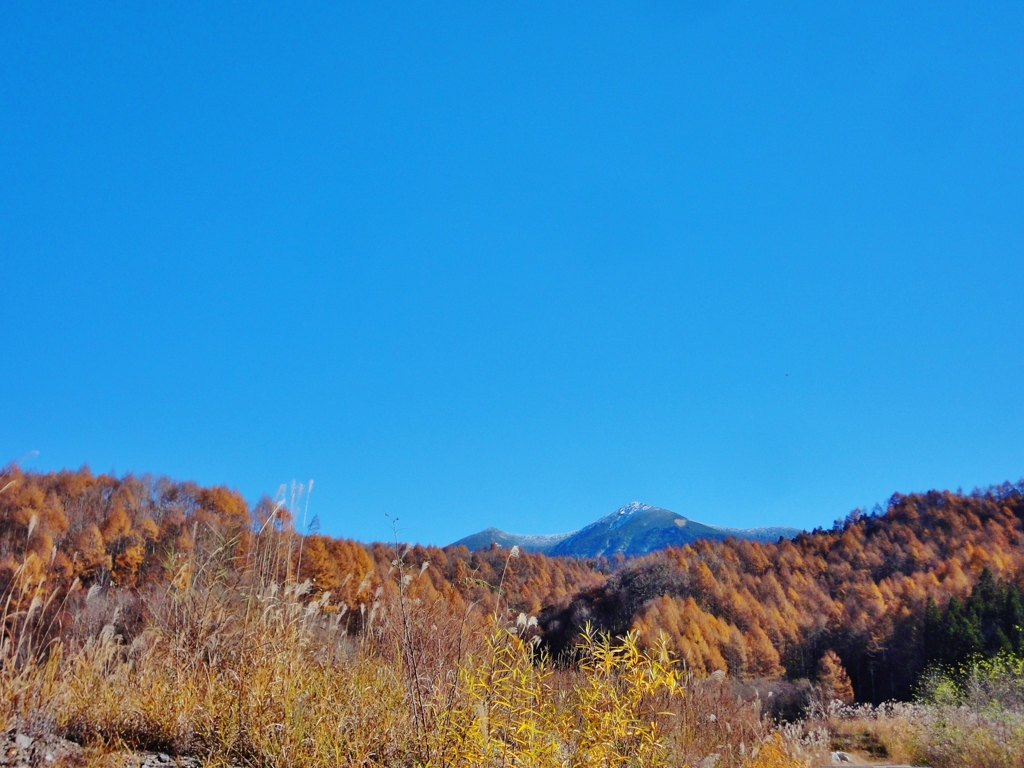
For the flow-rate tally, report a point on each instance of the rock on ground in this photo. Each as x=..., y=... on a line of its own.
x=20, y=749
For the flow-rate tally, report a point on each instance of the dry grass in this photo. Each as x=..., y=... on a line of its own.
x=973, y=716
x=235, y=664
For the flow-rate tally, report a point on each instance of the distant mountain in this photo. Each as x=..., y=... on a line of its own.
x=531, y=543
x=636, y=529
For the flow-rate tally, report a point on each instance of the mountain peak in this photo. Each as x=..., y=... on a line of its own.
x=633, y=529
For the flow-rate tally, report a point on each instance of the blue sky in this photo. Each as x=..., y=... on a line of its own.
x=514, y=264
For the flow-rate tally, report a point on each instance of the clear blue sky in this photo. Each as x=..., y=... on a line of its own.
x=514, y=264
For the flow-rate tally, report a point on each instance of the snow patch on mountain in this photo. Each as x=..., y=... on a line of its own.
x=622, y=516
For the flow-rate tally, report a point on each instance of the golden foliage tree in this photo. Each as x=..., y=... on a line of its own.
x=832, y=678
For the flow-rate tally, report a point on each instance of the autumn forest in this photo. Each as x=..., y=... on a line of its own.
x=933, y=577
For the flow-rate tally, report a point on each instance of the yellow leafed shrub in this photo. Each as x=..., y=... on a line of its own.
x=512, y=713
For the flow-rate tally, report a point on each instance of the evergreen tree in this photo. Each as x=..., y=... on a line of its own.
x=988, y=623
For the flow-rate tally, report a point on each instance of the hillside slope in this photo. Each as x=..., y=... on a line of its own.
x=862, y=589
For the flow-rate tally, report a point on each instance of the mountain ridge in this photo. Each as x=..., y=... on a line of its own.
x=633, y=529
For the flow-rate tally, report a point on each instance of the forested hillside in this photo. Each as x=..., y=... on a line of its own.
x=933, y=577
x=862, y=588
x=141, y=532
